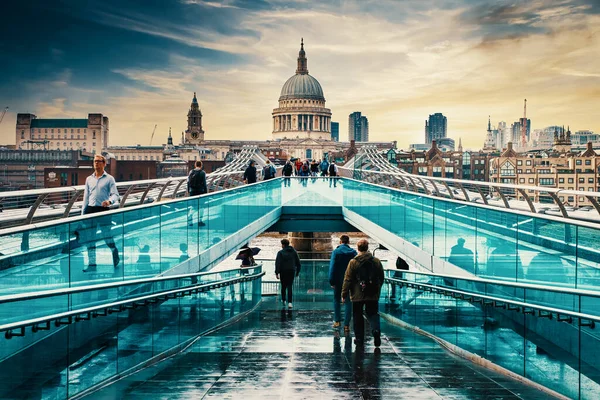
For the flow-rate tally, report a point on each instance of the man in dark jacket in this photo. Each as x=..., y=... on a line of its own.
x=363, y=281
x=287, y=266
x=197, y=180
x=250, y=173
x=340, y=258
x=196, y=183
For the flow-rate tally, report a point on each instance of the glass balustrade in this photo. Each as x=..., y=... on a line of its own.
x=69, y=359
x=560, y=355
x=132, y=243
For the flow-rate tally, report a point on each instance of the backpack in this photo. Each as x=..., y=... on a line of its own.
x=287, y=169
x=195, y=181
x=332, y=169
x=366, y=274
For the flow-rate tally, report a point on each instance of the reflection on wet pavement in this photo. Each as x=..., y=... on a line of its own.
x=278, y=353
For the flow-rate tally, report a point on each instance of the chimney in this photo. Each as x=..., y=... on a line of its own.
x=509, y=148
x=590, y=147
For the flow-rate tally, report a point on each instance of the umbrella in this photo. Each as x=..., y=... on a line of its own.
x=293, y=159
x=242, y=254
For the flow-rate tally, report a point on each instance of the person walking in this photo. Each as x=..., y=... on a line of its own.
x=298, y=165
x=362, y=284
x=333, y=173
x=99, y=194
x=196, y=181
x=250, y=173
x=340, y=257
x=288, y=170
x=287, y=266
x=268, y=171
x=314, y=168
x=324, y=166
x=196, y=184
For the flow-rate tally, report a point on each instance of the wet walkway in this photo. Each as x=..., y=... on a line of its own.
x=276, y=353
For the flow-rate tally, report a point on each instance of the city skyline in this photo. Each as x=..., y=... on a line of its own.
x=396, y=63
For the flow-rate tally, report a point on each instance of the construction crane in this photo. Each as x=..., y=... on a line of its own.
x=524, y=127
x=152, y=137
x=3, y=114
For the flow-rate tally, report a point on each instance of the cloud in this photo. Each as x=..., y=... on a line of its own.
x=397, y=62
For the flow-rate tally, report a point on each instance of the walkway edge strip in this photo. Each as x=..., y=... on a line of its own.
x=471, y=357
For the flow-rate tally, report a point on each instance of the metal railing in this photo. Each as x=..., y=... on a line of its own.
x=27, y=206
x=508, y=196
x=44, y=323
x=525, y=307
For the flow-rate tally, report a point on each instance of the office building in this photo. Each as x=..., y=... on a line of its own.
x=358, y=127
x=335, y=131
x=436, y=127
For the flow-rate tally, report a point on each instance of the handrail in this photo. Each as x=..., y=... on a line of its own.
x=522, y=285
x=571, y=220
x=526, y=308
x=80, y=289
x=117, y=306
x=114, y=211
x=553, y=193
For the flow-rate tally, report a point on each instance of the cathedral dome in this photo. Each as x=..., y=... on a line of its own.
x=302, y=86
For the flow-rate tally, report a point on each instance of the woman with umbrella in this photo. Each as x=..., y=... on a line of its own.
x=247, y=254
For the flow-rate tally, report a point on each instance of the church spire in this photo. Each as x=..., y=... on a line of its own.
x=489, y=123
x=460, y=148
x=170, y=139
x=302, y=61
x=194, y=100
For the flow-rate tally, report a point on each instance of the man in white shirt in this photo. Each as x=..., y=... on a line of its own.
x=99, y=194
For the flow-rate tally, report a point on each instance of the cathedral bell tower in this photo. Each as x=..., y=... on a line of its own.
x=194, y=133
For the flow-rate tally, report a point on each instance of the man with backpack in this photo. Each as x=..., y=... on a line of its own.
x=288, y=170
x=333, y=173
x=324, y=166
x=197, y=180
x=362, y=283
x=268, y=171
x=196, y=183
x=340, y=258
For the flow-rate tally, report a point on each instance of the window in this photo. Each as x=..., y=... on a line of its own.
x=93, y=134
x=581, y=180
x=546, y=181
x=22, y=134
x=578, y=162
x=507, y=169
x=51, y=130
x=519, y=171
x=45, y=130
x=590, y=180
x=71, y=130
x=528, y=162
x=570, y=198
x=570, y=180
x=519, y=162
x=521, y=180
x=531, y=180
x=146, y=157
x=561, y=180
x=94, y=144
x=78, y=137
x=588, y=162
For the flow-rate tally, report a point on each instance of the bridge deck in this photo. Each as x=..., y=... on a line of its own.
x=277, y=353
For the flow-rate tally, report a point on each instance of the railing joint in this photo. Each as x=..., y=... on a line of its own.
x=15, y=333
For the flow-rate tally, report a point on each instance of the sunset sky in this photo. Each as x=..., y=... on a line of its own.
x=139, y=62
